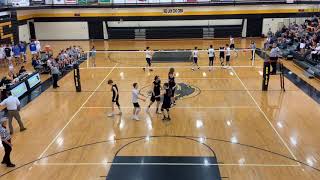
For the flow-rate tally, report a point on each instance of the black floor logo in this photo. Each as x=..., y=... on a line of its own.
x=184, y=90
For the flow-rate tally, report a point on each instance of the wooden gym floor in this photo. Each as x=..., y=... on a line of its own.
x=252, y=134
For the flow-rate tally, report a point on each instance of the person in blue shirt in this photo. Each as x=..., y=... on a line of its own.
x=33, y=48
x=23, y=51
x=16, y=53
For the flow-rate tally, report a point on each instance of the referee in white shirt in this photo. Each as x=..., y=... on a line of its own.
x=6, y=142
x=12, y=104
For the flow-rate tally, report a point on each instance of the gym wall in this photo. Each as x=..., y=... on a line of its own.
x=61, y=30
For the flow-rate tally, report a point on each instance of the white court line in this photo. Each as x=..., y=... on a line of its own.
x=266, y=117
x=45, y=150
x=177, y=107
x=168, y=164
x=166, y=67
x=172, y=50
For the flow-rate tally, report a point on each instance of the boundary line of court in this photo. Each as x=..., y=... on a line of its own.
x=72, y=117
x=168, y=164
x=166, y=67
x=177, y=107
x=266, y=117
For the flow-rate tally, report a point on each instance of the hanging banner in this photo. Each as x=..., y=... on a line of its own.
x=20, y=3
x=104, y=1
x=58, y=1
x=70, y=1
x=82, y=2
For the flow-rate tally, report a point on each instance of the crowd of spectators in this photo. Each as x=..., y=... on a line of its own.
x=303, y=39
x=43, y=60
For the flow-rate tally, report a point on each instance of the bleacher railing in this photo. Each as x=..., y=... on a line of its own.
x=33, y=3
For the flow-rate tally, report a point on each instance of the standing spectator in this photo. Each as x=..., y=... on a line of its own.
x=6, y=142
x=2, y=55
x=12, y=104
x=33, y=48
x=8, y=53
x=93, y=53
x=253, y=49
x=23, y=51
x=16, y=53
x=38, y=47
x=274, y=55
x=269, y=34
x=55, y=75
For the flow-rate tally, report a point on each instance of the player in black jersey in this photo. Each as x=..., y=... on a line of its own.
x=166, y=104
x=221, y=56
x=155, y=96
x=172, y=85
x=115, y=97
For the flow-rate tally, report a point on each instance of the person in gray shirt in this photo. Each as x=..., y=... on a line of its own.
x=55, y=75
x=6, y=142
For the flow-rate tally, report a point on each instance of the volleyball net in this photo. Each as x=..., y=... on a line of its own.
x=239, y=57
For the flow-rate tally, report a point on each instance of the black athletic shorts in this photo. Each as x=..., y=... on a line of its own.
x=115, y=99
x=195, y=60
x=221, y=55
x=211, y=58
x=227, y=58
x=231, y=46
x=154, y=98
x=148, y=61
x=273, y=58
x=173, y=90
x=136, y=105
x=165, y=106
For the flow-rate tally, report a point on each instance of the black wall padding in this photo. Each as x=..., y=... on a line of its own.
x=174, y=32
x=226, y=31
x=254, y=27
x=95, y=29
x=120, y=33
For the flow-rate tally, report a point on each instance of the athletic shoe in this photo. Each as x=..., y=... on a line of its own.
x=111, y=114
x=23, y=129
x=198, y=67
x=158, y=112
x=192, y=69
x=144, y=69
x=136, y=118
x=11, y=165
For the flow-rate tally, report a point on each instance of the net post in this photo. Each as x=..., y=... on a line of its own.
x=253, y=56
x=88, y=58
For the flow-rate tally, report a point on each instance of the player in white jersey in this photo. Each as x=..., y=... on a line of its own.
x=232, y=46
x=228, y=55
x=149, y=54
x=195, y=54
x=211, y=57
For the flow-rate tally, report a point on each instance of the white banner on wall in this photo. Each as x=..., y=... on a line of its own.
x=20, y=3
x=58, y=1
x=70, y=1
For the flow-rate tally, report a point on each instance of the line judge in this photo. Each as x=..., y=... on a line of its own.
x=12, y=104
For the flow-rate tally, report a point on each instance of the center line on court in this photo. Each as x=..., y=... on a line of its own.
x=168, y=164
x=72, y=117
x=266, y=117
